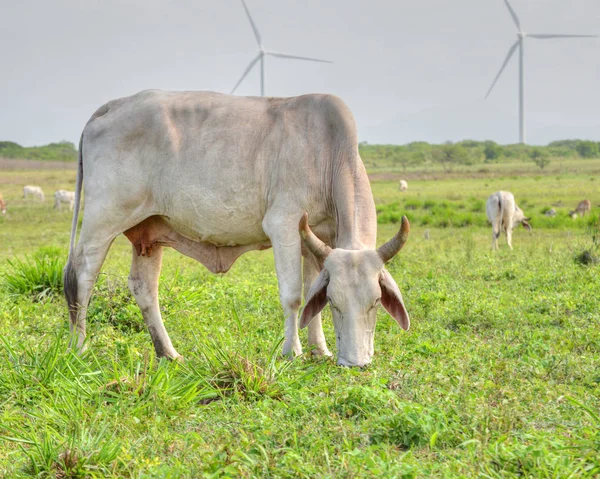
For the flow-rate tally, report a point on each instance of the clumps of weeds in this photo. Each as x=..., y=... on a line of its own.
x=587, y=257
x=150, y=382
x=38, y=276
x=361, y=401
x=590, y=255
x=231, y=373
x=528, y=455
x=587, y=441
x=84, y=454
x=412, y=426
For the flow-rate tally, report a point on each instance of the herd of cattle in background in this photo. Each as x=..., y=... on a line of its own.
x=501, y=209
x=60, y=197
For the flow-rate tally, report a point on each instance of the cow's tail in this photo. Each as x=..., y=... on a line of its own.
x=70, y=273
x=500, y=216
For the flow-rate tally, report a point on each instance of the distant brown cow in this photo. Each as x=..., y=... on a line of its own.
x=2, y=205
x=582, y=208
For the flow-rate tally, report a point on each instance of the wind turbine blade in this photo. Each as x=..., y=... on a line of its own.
x=252, y=63
x=256, y=34
x=510, y=54
x=295, y=57
x=513, y=14
x=558, y=35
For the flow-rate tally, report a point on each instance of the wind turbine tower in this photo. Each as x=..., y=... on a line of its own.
x=262, y=53
x=521, y=35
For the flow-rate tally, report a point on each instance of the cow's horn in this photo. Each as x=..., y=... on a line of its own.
x=314, y=244
x=388, y=250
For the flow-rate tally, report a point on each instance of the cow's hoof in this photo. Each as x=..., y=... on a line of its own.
x=291, y=349
x=174, y=356
x=324, y=352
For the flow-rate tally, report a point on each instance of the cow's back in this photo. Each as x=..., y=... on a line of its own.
x=214, y=163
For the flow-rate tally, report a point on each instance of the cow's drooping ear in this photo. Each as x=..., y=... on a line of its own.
x=317, y=299
x=391, y=299
x=526, y=225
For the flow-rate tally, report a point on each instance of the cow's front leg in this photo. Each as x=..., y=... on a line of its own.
x=288, y=263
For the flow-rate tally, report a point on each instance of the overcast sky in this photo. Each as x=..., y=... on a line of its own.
x=409, y=69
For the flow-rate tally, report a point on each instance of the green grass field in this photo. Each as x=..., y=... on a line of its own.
x=499, y=375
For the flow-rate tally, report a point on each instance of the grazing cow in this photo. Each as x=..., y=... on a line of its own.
x=550, y=212
x=214, y=176
x=403, y=185
x=34, y=191
x=582, y=208
x=64, y=196
x=2, y=205
x=504, y=214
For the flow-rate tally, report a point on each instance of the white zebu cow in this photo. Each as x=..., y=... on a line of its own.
x=2, y=205
x=34, y=191
x=403, y=185
x=504, y=214
x=214, y=176
x=64, y=196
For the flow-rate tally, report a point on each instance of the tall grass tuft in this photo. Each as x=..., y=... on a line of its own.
x=590, y=255
x=38, y=276
x=231, y=373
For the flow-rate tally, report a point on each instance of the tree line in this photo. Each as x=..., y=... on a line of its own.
x=61, y=151
x=467, y=152
x=470, y=152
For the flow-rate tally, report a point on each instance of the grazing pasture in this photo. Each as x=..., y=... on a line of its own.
x=499, y=375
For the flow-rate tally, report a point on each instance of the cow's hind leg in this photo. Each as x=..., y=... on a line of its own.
x=80, y=275
x=143, y=283
x=495, y=236
x=316, y=338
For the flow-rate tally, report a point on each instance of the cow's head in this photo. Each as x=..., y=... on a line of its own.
x=354, y=283
x=519, y=218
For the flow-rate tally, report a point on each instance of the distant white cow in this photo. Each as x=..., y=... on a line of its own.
x=582, y=208
x=503, y=213
x=34, y=191
x=2, y=205
x=64, y=196
x=403, y=185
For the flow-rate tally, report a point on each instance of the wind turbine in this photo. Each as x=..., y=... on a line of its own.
x=519, y=44
x=262, y=52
